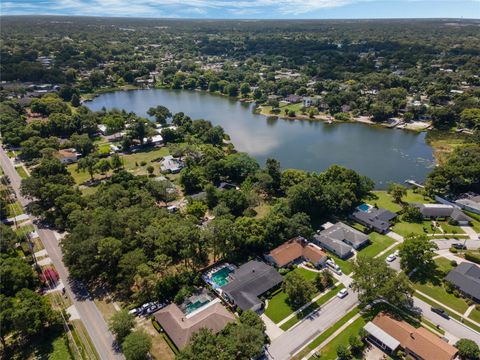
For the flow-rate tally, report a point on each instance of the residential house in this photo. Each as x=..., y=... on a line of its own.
x=469, y=202
x=466, y=278
x=293, y=99
x=153, y=140
x=390, y=335
x=341, y=239
x=248, y=282
x=171, y=164
x=346, y=108
x=67, y=156
x=102, y=129
x=296, y=249
x=375, y=219
x=311, y=101
x=181, y=322
x=443, y=211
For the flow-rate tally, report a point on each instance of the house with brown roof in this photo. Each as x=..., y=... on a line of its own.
x=67, y=156
x=181, y=322
x=296, y=249
x=390, y=334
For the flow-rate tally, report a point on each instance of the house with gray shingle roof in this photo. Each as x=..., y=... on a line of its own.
x=436, y=211
x=466, y=278
x=341, y=239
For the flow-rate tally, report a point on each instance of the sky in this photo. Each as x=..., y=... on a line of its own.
x=248, y=9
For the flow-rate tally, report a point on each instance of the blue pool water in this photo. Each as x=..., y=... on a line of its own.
x=364, y=207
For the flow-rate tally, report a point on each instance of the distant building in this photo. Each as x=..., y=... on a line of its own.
x=375, y=219
x=199, y=311
x=154, y=140
x=466, y=278
x=390, y=334
x=311, y=101
x=469, y=202
x=67, y=156
x=171, y=164
x=442, y=211
x=102, y=129
x=248, y=283
x=293, y=99
x=296, y=249
x=341, y=239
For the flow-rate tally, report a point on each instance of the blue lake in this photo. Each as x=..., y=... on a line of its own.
x=382, y=154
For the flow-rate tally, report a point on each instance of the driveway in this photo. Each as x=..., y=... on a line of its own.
x=293, y=340
x=444, y=244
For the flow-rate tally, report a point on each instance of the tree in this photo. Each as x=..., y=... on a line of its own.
x=381, y=112
x=245, y=89
x=88, y=163
x=397, y=191
x=417, y=252
x=75, y=100
x=121, y=324
x=343, y=352
x=470, y=117
x=298, y=289
x=468, y=349
x=150, y=170
x=136, y=346
x=82, y=143
x=356, y=344
x=103, y=166
x=116, y=162
x=324, y=280
x=412, y=213
x=161, y=114
x=31, y=313
x=274, y=170
x=196, y=209
x=16, y=275
x=373, y=279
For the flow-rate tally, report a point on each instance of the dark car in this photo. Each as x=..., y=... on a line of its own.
x=441, y=312
x=459, y=246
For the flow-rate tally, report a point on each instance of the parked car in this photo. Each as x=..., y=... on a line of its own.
x=334, y=267
x=391, y=258
x=342, y=293
x=440, y=312
x=134, y=311
x=459, y=246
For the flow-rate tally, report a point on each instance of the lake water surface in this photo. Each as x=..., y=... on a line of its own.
x=382, y=154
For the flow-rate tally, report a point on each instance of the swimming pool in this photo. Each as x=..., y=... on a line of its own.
x=195, y=305
x=219, y=278
x=364, y=207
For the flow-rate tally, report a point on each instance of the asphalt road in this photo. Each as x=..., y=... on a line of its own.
x=96, y=326
x=451, y=326
x=291, y=341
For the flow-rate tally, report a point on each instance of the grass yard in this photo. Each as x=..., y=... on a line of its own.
x=443, y=264
x=439, y=293
x=379, y=243
x=405, y=228
x=301, y=315
x=391, y=251
x=475, y=315
x=262, y=210
x=326, y=334
x=450, y=229
x=14, y=209
x=106, y=308
x=21, y=171
x=160, y=349
x=329, y=352
x=476, y=220
x=53, y=346
x=83, y=341
x=131, y=162
x=383, y=200
x=278, y=307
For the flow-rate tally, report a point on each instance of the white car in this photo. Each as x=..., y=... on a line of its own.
x=391, y=257
x=342, y=293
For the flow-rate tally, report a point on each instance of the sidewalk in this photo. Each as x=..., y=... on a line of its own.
x=331, y=337
x=463, y=316
x=395, y=236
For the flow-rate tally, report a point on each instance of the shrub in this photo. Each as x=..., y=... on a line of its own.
x=453, y=263
x=143, y=163
x=453, y=250
x=156, y=325
x=472, y=257
x=343, y=352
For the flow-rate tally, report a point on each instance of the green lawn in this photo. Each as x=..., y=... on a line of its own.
x=21, y=171
x=378, y=244
x=327, y=333
x=443, y=264
x=14, y=209
x=406, y=228
x=383, y=200
x=132, y=162
x=450, y=229
x=439, y=293
x=476, y=220
x=278, y=307
x=475, y=315
x=329, y=352
x=295, y=319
